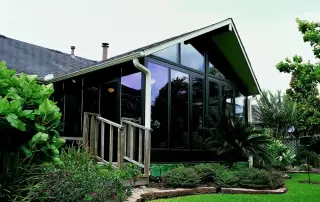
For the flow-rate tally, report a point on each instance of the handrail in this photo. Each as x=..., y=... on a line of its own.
x=110, y=122
x=136, y=125
x=92, y=114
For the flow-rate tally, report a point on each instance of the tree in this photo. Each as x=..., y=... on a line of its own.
x=277, y=113
x=305, y=78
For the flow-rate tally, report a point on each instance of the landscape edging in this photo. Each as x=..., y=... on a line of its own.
x=168, y=193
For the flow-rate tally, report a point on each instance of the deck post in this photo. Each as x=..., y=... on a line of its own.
x=111, y=145
x=85, y=132
x=92, y=134
x=102, y=140
x=147, y=151
x=96, y=136
x=140, y=146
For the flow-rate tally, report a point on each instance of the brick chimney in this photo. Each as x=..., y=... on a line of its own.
x=105, y=47
x=72, y=51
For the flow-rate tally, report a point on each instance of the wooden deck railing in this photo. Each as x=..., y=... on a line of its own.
x=144, y=145
x=95, y=129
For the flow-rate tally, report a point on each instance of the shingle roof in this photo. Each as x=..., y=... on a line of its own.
x=32, y=59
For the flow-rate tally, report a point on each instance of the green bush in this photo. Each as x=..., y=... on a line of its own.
x=227, y=178
x=305, y=167
x=282, y=156
x=28, y=114
x=208, y=172
x=260, y=179
x=16, y=176
x=81, y=179
x=182, y=177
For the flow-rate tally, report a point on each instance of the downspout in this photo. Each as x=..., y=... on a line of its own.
x=147, y=103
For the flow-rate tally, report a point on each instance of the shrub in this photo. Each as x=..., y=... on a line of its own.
x=260, y=179
x=208, y=172
x=182, y=177
x=80, y=179
x=227, y=178
x=28, y=114
x=16, y=176
x=282, y=156
x=305, y=167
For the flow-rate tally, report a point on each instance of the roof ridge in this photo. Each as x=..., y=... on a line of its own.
x=53, y=50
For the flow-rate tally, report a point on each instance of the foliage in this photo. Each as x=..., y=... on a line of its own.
x=305, y=78
x=282, y=157
x=276, y=112
x=81, y=179
x=25, y=106
x=308, y=157
x=209, y=172
x=182, y=177
x=235, y=140
x=297, y=192
x=16, y=176
x=227, y=178
x=260, y=179
x=305, y=167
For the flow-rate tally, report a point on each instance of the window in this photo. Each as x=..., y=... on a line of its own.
x=227, y=101
x=197, y=111
x=170, y=53
x=131, y=96
x=191, y=57
x=239, y=104
x=159, y=105
x=214, y=71
x=213, y=102
x=179, y=109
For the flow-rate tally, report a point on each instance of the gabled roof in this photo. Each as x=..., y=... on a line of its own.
x=230, y=44
x=32, y=59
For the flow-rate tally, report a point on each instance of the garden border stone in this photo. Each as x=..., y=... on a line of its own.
x=141, y=194
x=252, y=191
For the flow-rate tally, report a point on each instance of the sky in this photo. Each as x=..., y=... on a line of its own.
x=267, y=28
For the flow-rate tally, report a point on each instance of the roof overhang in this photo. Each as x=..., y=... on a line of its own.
x=231, y=46
x=228, y=42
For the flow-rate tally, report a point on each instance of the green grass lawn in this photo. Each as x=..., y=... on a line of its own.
x=296, y=192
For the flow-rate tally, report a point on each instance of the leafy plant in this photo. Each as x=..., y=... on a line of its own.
x=25, y=106
x=208, y=172
x=234, y=140
x=282, y=156
x=305, y=77
x=80, y=179
x=260, y=179
x=16, y=176
x=276, y=112
x=182, y=177
x=227, y=178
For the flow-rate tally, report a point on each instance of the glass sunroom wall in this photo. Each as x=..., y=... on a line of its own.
x=159, y=105
x=192, y=58
x=240, y=106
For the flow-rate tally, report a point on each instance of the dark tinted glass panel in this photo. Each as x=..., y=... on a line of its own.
x=227, y=102
x=197, y=111
x=214, y=71
x=159, y=105
x=73, y=98
x=239, y=104
x=170, y=53
x=179, y=109
x=191, y=57
x=131, y=96
x=213, y=99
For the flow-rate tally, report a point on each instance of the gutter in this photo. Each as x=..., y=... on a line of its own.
x=108, y=63
x=147, y=103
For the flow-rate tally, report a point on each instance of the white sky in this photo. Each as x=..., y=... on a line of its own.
x=267, y=28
